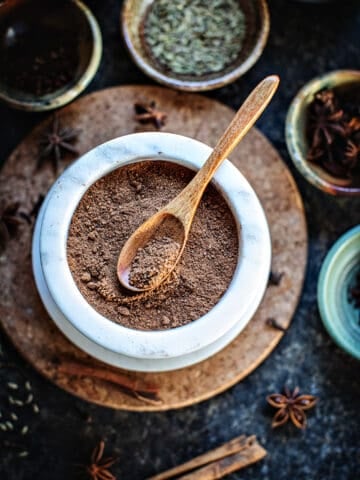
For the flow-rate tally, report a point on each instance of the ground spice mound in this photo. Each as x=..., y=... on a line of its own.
x=109, y=213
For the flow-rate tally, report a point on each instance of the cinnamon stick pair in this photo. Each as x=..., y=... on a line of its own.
x=233, y=455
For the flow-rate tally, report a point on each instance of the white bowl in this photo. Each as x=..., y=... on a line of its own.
x=149, y=350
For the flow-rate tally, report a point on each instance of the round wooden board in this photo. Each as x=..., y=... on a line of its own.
x=102, y=116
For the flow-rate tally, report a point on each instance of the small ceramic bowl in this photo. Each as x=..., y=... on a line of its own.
x=295, y=132
x=258, y=26
x=49, y=23
x=149, y=350
x=337, y=276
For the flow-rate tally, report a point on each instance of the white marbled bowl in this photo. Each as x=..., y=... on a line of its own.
x=149, y=350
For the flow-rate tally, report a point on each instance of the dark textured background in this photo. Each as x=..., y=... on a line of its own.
x=305, y=40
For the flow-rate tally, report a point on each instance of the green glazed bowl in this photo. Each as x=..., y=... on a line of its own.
x=295, y=132
x=340, y=317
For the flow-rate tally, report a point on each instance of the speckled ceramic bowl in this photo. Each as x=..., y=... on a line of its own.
x=296, y=138
x=132, y=17
x=76, y=19
x=149, y=350
x=337, y=276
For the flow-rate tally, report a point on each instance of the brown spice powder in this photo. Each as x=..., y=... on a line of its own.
x=108, y=214
x=154, y=261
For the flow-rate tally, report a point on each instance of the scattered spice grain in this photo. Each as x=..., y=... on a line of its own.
x=23, y=454
x=273, y=323
x=12, y=385
x=14, y=428
x=114, y=209
x=275, y=278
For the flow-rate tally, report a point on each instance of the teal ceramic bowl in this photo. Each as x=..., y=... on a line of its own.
x=337, y=276
x=295, y=132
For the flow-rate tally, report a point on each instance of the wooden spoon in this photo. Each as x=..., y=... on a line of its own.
x=170, y=226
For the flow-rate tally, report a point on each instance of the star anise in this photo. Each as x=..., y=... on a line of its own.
x=54, y=141
x=291, y=407
x=333, y=133
x=10, y=219
x=147, y=113
x=98, y=469
x=325, y=125
x=325, y=119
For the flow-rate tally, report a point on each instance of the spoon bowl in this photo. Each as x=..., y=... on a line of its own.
x=151, y=228
x=171, y=225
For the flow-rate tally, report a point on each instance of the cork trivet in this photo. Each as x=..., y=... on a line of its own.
x=102, y=116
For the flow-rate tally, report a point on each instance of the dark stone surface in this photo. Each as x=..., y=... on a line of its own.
x=305, y=40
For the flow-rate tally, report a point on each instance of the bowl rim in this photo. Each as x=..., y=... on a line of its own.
x=254, y=258
x=40, y=105
x=333, y=254
x=331, y=79
x=220, y=79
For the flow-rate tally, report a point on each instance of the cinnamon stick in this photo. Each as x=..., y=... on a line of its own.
x=234, y=455
x=227, y=465
x=137, y=388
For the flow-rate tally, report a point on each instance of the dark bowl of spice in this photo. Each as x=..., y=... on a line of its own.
x=339, y=292
x=49, y=52
x=323, y=132
x=195, y=45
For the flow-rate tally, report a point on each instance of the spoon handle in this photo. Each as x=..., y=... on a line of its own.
x=184, y=205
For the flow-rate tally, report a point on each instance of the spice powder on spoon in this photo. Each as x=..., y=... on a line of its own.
x=112, y=209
